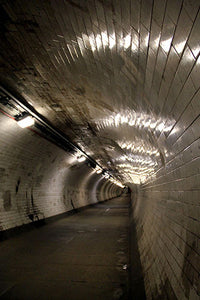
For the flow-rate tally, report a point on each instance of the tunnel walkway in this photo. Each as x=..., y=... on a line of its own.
x=82, y=256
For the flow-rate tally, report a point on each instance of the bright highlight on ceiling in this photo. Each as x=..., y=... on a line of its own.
x=137, y=155
x=137, y=120
x=116, y=80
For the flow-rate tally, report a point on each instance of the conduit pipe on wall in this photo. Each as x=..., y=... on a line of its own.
x=80, y=158
x=41, y=121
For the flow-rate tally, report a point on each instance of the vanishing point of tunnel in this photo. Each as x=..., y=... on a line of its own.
x=100, y=149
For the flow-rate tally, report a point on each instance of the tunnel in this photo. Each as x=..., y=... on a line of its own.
x=100, y=149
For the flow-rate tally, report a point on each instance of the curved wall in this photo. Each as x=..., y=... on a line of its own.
x=40, y=180
x=134, y=79
x=166, y=212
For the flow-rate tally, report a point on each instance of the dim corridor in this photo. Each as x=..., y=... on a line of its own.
x=82, y=256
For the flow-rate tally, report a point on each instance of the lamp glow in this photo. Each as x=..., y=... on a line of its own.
x=106, y=176
x=81, y=158
x=26, y=122
x=98, y=170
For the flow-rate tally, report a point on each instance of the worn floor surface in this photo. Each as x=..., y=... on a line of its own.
x=83, y=256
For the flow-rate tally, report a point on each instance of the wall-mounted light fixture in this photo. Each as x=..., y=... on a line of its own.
x=81, y=158
x=27, y=116
x=98, y=170
x=106, y=175
x=25, y=121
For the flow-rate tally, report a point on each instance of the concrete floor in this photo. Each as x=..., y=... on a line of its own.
x=82, y=256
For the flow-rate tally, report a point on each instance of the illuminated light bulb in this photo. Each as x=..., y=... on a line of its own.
x=26, y=122
x=121, y=185
x=81, y=158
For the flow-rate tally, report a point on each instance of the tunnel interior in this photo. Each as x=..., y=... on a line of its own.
x=113, y=89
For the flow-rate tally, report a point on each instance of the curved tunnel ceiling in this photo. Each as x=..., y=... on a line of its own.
x=112, y=75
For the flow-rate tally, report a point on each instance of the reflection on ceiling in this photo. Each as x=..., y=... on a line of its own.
x=114, y=76
x=140, y=120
